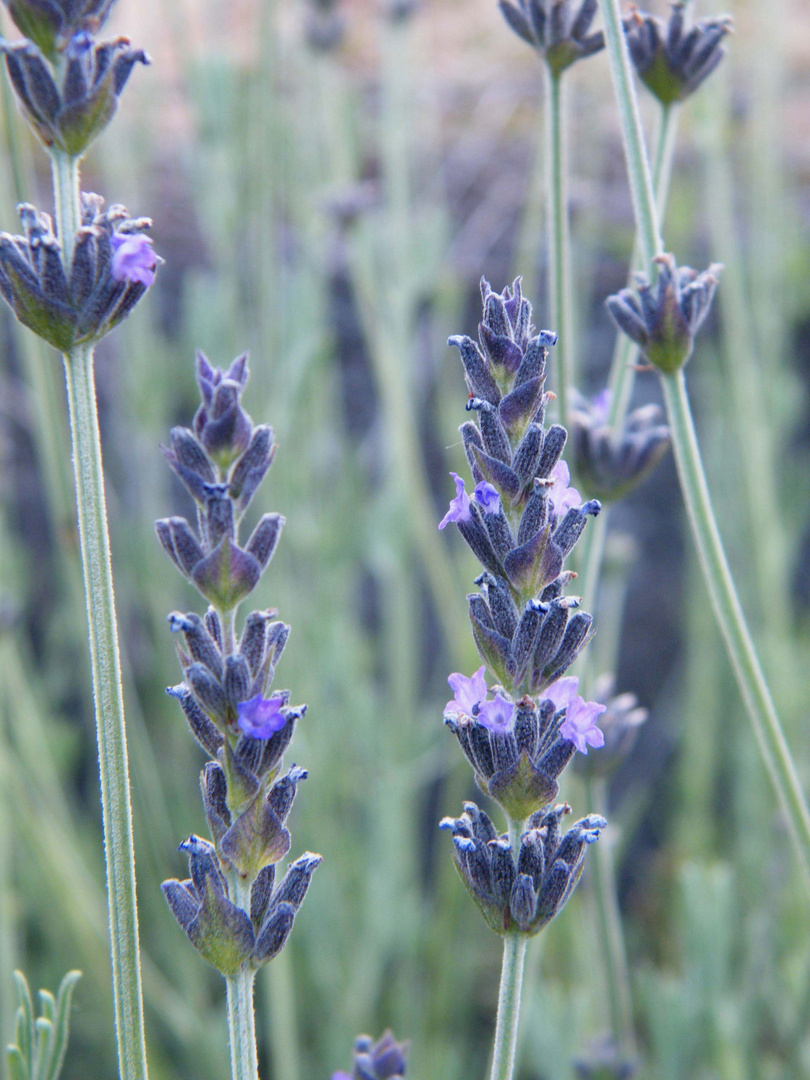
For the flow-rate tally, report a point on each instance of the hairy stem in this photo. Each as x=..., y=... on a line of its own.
x=241, y=1017
x=641, y=185
x=105, y=663
x=506, y=1027
x=591, y=547
x=559, y=240
x=728, y=611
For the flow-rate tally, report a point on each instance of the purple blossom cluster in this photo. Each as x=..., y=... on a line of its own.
x=243, y=725
x=521, y=521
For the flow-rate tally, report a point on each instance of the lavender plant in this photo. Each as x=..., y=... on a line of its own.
x=662, y=320
x=233, y=911
x=71, y=280
x=40, y=1045
x=385, y=1059
x=521, y=522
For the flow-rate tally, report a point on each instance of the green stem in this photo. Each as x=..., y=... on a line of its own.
x=731, y=619
x=625, y=354
x=559, y=241
x=514, y=954
x=109, y=705
x=105, y=663
x=241, y=1027
x=67, y=202
x=506, y=1028
x=727, y=608
x=241, y=1018
x=591, y=547
x=611, y=939
x=641, y=185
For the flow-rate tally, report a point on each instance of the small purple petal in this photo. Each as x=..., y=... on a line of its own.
x=562, y=691
x=579, y=726
x=487, y=497
x=259, y=718
x=496, y=714
x=134, y=259
x=459, y=506
x=562, y=496
x=468, y=692
x=600, y=405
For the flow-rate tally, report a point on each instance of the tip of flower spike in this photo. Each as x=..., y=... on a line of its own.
x=177, y=622
x=309, y=860
x=447, y=823
x=195, y=845
x=595, y=821
x=548, y=339
x=296, y=774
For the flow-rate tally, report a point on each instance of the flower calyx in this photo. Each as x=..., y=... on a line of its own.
x=79, y=304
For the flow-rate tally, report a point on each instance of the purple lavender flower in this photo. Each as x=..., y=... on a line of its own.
x=561, y=495
x=487, y=497
x=260, y=717
x=134, y=259
x=459, y=509
x=562, y=691
x=469, y=693
x=579, y=725
x=496, y=714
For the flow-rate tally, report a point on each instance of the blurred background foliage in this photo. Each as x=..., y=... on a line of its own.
x=328, y=181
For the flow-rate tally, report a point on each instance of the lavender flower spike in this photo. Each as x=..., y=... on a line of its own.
x=260, y=717
x=459, y=509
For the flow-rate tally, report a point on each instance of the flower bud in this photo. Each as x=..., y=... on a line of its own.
x=663, y=317
x=83, y=304
x=50, y=24
x=670, y=62
x=69, y=117
x=555, y=29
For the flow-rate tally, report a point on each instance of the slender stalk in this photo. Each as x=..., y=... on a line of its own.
x=591, y=547
x=105, y=663
x=241, y=1018
x=611, y=939
x=731, y=619
x=241, y=1026
x=559, y=240
x=506, y=1027
x=727, y=608
x=625, y=354
x=641, y=185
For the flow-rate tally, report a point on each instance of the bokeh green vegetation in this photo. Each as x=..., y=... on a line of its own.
x=332, y=210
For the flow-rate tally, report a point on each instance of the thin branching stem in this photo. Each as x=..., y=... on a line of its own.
x=105, y=663
x=506, y=1028
x=727, y=608
x=730, y=617
x=559, y=240
x=625, y=354
x=241, y=1016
